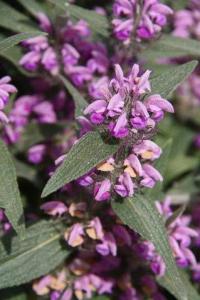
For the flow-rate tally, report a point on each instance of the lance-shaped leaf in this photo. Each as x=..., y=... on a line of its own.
x=37, y=254
x=25, y=171
x=9, y=192
x=16, y=39
x=171, y=46
x=13, y=55
x=192, y=293
x=83, y=157
x=169, y=80
x=33, y=6
x=79, y=100
x=97, y=22
x=18, y=22
x=141, y=215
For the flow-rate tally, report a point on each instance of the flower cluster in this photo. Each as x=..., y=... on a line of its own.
x=5, y=90
x=106, y=247
x=127, y=115
x=187, y=21
x=73, y=53
x=140, y=20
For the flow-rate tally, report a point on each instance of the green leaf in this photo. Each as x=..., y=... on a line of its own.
x=79, y=100
x=33, y=6
x=170, y=46
x=97, y=22
x=141, y=215
x=25, y=171
x=35, y=133
x=169, y=80
x=83, y=157
x=192, y=293
x=16, y=39
x=39, y=253
x=13, y=55
x=9, y=192
x=17, y=21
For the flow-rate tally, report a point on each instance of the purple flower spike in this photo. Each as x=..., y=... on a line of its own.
x=153, y=18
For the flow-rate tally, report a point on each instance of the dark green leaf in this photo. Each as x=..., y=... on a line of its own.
x=141, y=215
x=13, y=20
x=9, y=193
x=13, y=56
x=16, y=39
x=169, y=80
x=97, y=22
x=37, y=254
x=83, y=157
x=79, y=100
x=33, y=6
x=170, y=46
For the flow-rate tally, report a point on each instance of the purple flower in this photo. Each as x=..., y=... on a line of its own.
x=150, y=176
x=45, y=23
x=45, y=112
x=54, y=208
x=102, y=190
x=153, y=18
x=36, y=153
x=95, y=229
x=108, y=245
x=125, y=185
x=70, y=55
x=49, y=61
x=5, y=90
x=74, y=236
x=147, y=150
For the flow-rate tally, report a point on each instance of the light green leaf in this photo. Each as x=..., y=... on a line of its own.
x=83, y=157
x=170, y=46
x=9, y=192
x=79, y=100
x=169, y=80
x=16, y=39
x=141, y=215
x=37, y=254
x=97, y=22
x=192, y=293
